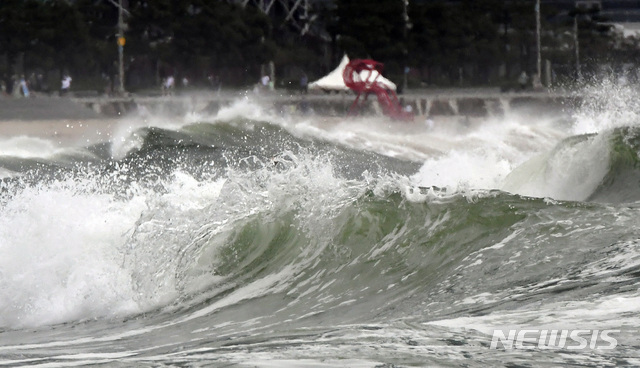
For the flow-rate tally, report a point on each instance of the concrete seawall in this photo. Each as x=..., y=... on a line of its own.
x=472, y=103
x=93, y=118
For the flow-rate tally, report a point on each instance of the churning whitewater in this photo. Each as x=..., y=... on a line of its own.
x=255, y=238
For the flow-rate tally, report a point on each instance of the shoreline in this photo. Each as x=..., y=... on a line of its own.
x=466, y=102
x=61, y=132
x=74, y=119
x=58, y=119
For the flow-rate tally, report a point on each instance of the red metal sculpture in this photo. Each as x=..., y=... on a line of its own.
x=360, y=77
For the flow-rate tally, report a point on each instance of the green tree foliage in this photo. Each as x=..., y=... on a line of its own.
x=202, y=35
x=101, y=20
x=364, y=29
x=596, y=41
x=44, y=34
x=12, y=20
x=462, y=42
x=446, y=40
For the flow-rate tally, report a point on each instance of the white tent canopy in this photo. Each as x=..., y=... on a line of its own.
x=335, y=82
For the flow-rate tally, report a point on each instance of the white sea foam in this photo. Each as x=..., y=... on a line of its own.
x=607, y=104
x=28, y=147
x=63, y=244
x=60, y=258
x=570, y=172
x=483, y=157
x=618, y=313
x=76, y=250
x=244, y=107
x=66, y=249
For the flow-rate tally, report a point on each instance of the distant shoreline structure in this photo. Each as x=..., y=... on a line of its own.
x=480, y=102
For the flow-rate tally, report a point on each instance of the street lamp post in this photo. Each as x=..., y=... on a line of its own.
x=407, y=26
x=121, y=41
x=576, y=45
x=539, y=61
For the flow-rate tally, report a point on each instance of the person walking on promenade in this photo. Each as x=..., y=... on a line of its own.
x=23, y=86
x=168, y=86
x=66, y=85
x=523, y=80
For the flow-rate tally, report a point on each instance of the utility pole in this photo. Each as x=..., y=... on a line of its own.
x=577, y=45
x=539, y=61
x=121, y=42
x=405, y=51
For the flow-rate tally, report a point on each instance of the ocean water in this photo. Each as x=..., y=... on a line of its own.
x=250, y=238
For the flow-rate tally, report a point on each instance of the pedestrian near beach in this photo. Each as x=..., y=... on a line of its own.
x=523, y=79
x=167, y=86
x=66, y=85
x=108, y=84
x=23, y=86
x=429, y=122
x=266, y=82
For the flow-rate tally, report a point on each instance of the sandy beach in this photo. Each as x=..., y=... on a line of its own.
x=58, y=119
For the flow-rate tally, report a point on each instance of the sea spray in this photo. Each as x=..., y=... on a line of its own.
x=483, y=158
x=262, y=242
x=571, y=171
x=594, y=156
x=606, y=104
x=61, y=261
x=27, y=147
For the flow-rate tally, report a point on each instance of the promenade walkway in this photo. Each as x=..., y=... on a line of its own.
x=465, y=102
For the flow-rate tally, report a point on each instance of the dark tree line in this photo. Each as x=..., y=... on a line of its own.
x=200, y=37
x=440, y=43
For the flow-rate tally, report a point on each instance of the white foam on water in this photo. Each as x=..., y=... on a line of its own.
x=609, y=312
x=570, y=172
x=75, y=249
x=482, y=158
x=456, y=155
x=526, y=155
x=573, y=170
x=60, y=256
x=63, y=243
x=65, y=248
x=127, y=134
x=28, y=147
x=5, y=173
x=607, y=104
x=244, y=107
